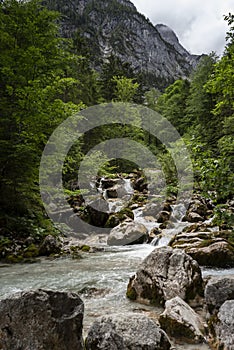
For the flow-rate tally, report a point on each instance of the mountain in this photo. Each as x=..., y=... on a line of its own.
x=115, y=27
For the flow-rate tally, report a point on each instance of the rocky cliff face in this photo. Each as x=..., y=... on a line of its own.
x=114, y=27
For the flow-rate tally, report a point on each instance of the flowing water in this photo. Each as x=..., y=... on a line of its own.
x=100, y=278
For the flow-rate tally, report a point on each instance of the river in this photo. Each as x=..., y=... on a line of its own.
x=101, y=279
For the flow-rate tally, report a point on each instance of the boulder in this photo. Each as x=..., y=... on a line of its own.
x=107, y=183
x=186, y=240
x=209, y=248
x=163, y=216
x=217, y=291
x=222, y=327
x=217, y=253
x=180, y=321
x=128, y=232
x=96, y=213
x=41, y=320
x=139, y=184
x=199, y=209
x=118, y=191
x=129, y=331
x=50, y=245
x=151, y=209
x=165, y=274
x=194, y=217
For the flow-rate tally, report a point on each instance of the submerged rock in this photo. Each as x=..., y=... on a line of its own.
x=165, y=274
x=128, y=232
x=217, y=291
x=42, y=320
x=180, y=321
x=128, y=331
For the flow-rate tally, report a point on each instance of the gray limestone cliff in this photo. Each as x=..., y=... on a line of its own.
x=115, y=27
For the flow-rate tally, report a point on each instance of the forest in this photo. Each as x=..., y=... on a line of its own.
x=45, y=78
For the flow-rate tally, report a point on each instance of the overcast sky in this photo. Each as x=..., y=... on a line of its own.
x=199, y=24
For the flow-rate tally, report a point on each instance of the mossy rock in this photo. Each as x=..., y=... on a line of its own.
x=131, y=293
x=14, y=259
x=116, y=218
x=85, y=248
x=31, y=251
x=76, y=256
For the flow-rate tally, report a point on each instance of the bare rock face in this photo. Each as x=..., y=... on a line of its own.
x=41, y=320
x=217, y=291
x=126, y=332
x=165, y=274
x=222, y=327
x=128, y=232
x=116, y=28
x=180, y=321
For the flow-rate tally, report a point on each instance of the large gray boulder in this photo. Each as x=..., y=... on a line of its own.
x=129, y=331
x=222, y=327
x=180, y=321
x=128, y=232
x=41, y=320
x=165, y=274
x=217, y=291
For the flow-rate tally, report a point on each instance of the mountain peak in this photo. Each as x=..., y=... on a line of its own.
x=115, y=27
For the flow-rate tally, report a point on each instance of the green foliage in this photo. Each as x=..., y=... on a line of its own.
x=172, y=104
x=223, y=216
x=125, y=89
x=200, y=103
x=202, y=111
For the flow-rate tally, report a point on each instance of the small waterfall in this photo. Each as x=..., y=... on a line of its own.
x=123, y=189
x=128, y=186
x=163, y=239
x=148, y=221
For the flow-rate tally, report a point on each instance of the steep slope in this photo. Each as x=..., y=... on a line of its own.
x=115, y=27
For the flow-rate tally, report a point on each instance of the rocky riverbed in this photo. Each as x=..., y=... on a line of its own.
x=145, y=285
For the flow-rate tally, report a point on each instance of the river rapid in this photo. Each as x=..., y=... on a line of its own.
x=100, y=278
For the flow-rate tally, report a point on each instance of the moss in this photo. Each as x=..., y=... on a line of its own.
x=85, y=248
x=31, y=251
x=117, y=218
x=5, y=246
x=13, y=259
x=76, y=256
x=205, y=243
x=131, y=293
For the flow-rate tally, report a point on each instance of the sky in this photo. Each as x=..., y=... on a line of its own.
x=199, y=24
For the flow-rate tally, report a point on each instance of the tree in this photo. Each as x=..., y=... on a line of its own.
x=34, y=97
x=201, y=102
x=125, y=89
x=114, y=67
x=172, y=104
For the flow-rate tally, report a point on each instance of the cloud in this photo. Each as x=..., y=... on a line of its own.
x=199, y=24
